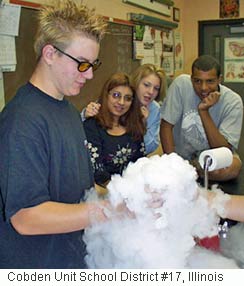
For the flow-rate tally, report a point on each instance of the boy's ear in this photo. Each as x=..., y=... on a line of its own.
x=48, y=53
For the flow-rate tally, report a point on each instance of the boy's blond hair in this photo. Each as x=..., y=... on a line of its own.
x=65, y=18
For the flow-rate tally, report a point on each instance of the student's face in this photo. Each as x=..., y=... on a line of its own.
x=205, y=82
x=148, y=89
x=119, y=100
x=68, y=80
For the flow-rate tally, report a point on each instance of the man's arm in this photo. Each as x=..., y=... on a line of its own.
x=215, y=138
x=233, y=206
x=223, y=174
x=228, y=173
x=54, y=217
x=166, y=137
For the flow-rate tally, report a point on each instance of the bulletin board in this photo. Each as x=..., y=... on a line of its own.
x=116, y=54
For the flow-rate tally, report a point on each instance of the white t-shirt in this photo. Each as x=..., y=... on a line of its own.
x=180, y=108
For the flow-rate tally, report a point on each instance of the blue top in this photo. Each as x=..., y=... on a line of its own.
x=151, y=138
x=43, y=158
x=110, y=154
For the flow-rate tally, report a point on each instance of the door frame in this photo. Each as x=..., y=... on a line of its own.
x=203, y=24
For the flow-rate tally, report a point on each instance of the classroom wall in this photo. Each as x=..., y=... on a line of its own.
x=191, y=12
x=115, y=8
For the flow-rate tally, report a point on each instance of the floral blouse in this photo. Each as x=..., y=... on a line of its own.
x=110, y=154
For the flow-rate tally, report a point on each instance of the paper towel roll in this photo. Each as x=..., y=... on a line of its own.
x=221, y=158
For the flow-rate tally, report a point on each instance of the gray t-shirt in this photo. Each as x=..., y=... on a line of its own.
x=180, y=108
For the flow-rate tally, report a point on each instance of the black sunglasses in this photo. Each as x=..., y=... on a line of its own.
x=82, y=66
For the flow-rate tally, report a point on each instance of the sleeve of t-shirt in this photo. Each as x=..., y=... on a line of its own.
x=231, y=123
x=25, y=178
x=95, y=145
x=172, y=106
x=151, y=138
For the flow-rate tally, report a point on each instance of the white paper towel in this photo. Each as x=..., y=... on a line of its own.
x=221, y=158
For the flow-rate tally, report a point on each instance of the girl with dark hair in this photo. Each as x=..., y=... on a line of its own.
x=115, y=134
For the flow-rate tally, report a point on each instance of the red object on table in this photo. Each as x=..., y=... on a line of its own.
x=211, y=243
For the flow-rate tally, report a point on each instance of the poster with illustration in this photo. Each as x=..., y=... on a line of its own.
x=234, y=71
x=138, y=48
x=148, y=45
x=229, y=8
x=168, y=53
x=234, y=48
x=178, y=51
x=234, y=60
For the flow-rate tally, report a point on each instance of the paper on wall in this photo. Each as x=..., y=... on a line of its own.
x=9, y=19
x=2, y=100
x=7, y=53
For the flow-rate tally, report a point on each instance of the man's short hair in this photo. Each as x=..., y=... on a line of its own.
x=206, y=63
x=62, y=19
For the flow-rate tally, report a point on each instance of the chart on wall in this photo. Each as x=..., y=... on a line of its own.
x=154, y=46
x=147, y=44
x=234, y=59
x=168, y=55
x=178, y=51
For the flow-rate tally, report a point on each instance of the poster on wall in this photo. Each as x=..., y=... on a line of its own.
x=158, y=47
x=234, y=59
x=154, y=46
x=168, y=53
x=229, y=8
x=138, y=49
x=148, y=45
x=178, y=51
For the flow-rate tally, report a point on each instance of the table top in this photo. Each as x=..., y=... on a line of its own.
x=235, y=186
x=232, y=187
